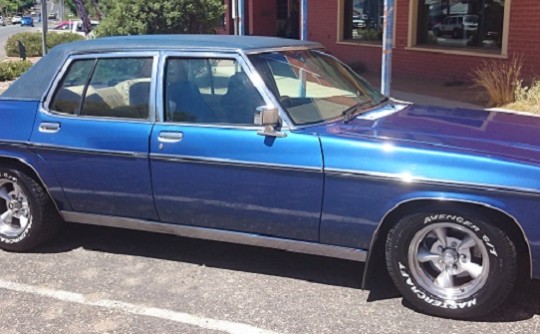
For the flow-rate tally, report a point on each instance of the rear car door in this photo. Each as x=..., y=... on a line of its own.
x=93, y=131
x=211, y=168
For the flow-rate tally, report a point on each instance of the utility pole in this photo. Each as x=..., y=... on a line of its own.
x=304, y=18
x=387, y=46
x=44, y=17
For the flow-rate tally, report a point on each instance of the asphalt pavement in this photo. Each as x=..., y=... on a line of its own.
x=105, y=280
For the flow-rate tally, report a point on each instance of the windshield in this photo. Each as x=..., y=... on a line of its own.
x=314, y=87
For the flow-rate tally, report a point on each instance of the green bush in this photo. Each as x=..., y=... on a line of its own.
x=12, y=69
x=32, y=41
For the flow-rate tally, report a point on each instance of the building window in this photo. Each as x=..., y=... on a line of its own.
x=363, y=20
x=461, y=24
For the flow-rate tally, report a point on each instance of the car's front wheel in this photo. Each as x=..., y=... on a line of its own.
x=451, y=262
x=27, y=215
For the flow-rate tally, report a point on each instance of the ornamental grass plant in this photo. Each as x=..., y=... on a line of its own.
x=527, y=98
x=500, y=78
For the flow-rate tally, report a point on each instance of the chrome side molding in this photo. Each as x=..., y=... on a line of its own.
x=219, y=235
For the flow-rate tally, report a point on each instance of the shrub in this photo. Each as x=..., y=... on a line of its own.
x=527, y=98
x=499, y=78
x=32, y=41
x=12, y=69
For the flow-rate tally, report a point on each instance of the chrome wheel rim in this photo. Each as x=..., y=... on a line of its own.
x=14, y=209
x=448, y=261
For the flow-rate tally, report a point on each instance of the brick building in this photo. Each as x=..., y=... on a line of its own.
x=440, y=39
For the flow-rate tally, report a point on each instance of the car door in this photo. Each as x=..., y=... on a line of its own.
x=94, y=130
x=211, y=168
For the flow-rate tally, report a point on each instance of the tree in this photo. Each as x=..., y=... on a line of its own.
x=15, y=5
x=135, y=17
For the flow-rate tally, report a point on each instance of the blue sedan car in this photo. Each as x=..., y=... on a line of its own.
x=272, y=142
x=27, y=21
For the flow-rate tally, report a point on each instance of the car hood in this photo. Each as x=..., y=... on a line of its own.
x=479, y=132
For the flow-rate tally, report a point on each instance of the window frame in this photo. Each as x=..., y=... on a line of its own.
x=241, y=60
x=349, y=41
x=155, y=55
x=413, y=29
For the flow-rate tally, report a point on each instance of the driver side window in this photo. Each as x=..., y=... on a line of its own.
x=209, y=90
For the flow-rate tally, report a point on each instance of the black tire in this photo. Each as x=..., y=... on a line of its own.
x=27, y=215
x=451, y=262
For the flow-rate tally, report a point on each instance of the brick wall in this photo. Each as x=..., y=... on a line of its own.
x=524, y=37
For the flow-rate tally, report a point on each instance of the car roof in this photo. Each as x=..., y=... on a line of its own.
x=176, y=42
x=33, y=84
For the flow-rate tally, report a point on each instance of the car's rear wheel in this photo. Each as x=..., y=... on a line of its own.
x=451, y=262
x=27, y=215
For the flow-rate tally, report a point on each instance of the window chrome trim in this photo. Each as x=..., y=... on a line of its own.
x=232, y=162
x=243, y=238
x=46, y=100
x=258, y=81
x=236, y=56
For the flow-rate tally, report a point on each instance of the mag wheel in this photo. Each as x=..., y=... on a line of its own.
x=451, y=263
x=27, y=217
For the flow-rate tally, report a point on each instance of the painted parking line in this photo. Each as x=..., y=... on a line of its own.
x=185, y=318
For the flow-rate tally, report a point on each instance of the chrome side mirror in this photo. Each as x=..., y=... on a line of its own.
x=269, y=118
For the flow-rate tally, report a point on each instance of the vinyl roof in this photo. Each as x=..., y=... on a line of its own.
x=34, y=83
x=174, y=42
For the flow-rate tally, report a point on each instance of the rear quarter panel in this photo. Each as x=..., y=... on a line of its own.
x=17, y=119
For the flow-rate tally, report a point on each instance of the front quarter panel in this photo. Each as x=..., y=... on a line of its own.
x=367, y=178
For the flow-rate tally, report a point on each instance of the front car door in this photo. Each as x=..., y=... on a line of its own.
x=94, y=130
x=211, y=168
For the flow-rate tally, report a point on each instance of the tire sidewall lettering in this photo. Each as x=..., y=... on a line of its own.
x=429, y=299
x=460, y=220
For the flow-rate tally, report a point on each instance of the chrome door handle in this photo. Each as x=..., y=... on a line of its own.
x=170, y=137
x=48, y=127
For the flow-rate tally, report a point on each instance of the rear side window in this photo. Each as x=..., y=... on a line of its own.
x=108, y=87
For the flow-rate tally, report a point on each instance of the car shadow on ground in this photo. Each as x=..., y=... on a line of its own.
x=523, y=303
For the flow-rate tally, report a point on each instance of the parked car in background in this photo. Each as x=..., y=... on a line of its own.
x=2, y=21
x=75, y=27
x=27, y=21
x=360, y=21
x=136, y=132
x=457, y=26
x=16, y=19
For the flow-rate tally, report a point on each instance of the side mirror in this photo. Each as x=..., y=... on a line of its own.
x=269, y=118
x=266, y=116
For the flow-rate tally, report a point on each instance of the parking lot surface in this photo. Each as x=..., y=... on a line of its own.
x=104, y=280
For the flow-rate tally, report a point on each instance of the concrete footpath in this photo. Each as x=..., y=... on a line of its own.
x=431, y=100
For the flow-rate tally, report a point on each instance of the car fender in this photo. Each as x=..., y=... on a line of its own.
x=21, y=156
x=373, y=266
